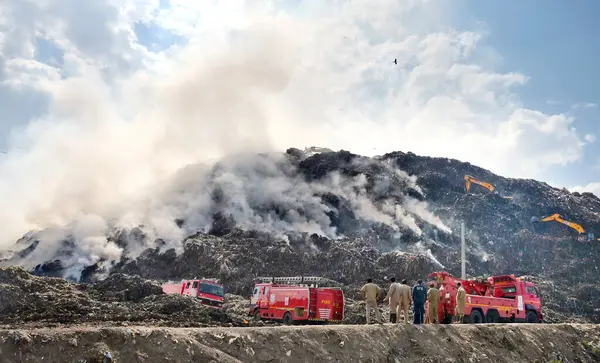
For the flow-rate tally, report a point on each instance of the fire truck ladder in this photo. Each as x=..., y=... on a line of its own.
x=312, y=307
x=300, y=280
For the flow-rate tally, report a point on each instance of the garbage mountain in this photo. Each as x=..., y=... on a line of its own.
x=349, y=217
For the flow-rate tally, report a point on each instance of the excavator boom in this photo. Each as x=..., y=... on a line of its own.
x=556, y=217
x=469, y=179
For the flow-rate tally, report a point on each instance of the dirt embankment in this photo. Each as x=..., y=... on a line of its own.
x=349, y=343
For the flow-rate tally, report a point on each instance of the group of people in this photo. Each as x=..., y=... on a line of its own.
x=400, y=296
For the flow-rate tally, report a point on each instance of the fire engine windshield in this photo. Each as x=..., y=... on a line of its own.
x=211, y=289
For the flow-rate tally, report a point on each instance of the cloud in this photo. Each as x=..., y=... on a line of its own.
x=590, y=188
x=591, y=138
x=585, y=105
x=117, y=119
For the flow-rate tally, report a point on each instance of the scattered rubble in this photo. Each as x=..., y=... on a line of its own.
x=27, y=300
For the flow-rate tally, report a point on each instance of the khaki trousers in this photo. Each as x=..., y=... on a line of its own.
x=372, y=305
x=394, y=312
x=403, y=307
x=433, y=313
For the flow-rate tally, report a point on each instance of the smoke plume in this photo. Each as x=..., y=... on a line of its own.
x=181, y=144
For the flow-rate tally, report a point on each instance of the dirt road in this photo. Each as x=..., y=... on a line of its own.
x=342, y=343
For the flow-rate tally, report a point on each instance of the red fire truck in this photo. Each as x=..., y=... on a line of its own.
x=504, y=298
x=297, y=300
x=210, y=292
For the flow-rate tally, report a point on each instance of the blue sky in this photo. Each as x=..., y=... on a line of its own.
x=556, y=44
x=553, y=43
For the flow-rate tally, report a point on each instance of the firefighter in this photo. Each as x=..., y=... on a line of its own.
x=461, y=302
x=404, y=300
x=372, y=293
x=419, y=294
x=433, y=298
x=393, y=298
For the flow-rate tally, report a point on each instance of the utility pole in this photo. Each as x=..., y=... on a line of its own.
x=463, y=262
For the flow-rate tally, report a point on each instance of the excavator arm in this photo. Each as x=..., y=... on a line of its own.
x=469, y=179
x=556, y=217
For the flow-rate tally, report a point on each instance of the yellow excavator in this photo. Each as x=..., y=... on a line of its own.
x=469, y=179
x=582, y=235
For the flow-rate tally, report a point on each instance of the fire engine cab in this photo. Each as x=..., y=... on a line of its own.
x=295, y=300
x=210, y=292
x=503, y=298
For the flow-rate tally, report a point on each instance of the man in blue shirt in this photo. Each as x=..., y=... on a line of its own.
x=419, y=295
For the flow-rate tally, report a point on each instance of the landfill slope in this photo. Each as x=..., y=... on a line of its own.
x=502, y=235
x=344, y=343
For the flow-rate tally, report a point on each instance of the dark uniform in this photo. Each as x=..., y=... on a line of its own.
x=419, y=296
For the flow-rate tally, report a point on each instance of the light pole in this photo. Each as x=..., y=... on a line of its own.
x=463, y=262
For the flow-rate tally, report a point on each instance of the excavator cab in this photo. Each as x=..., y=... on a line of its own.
x=587, y=237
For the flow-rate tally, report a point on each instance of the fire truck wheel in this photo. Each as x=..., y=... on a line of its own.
x=532, y=317
x=257, y=315
x=287, y=318
x=448, y=319
x=492, y=316
x=476, y=317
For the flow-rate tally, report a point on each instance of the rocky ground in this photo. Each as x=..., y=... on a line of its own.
x=342, y=343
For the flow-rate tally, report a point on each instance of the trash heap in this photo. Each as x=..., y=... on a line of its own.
x=503, y=235
x=27, y=300
x=238, y=258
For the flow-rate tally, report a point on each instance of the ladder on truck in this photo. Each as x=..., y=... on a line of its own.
x=312, y=307
x=314, y=281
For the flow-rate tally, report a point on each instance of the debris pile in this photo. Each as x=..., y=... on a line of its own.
x=120, y=287
x=354, y=196
x=27, y=300
x=237, y=259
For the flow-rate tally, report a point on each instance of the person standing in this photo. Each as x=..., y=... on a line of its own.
x=404, y=300
x=461, y=302
x=393, y=298
x=419, y=294
x=371, y=293
x=433, y=298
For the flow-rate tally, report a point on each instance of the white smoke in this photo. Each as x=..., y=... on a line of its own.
x=420, y=209
x=91, y=157
x=138, y=149
x=419, y=248
x=260, y=192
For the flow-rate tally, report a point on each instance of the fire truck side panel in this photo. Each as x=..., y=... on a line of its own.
x=288, y=299
x=506, y=308
x=275, y=301
x=323, y=306
x=303, y=303
x=338, y=305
